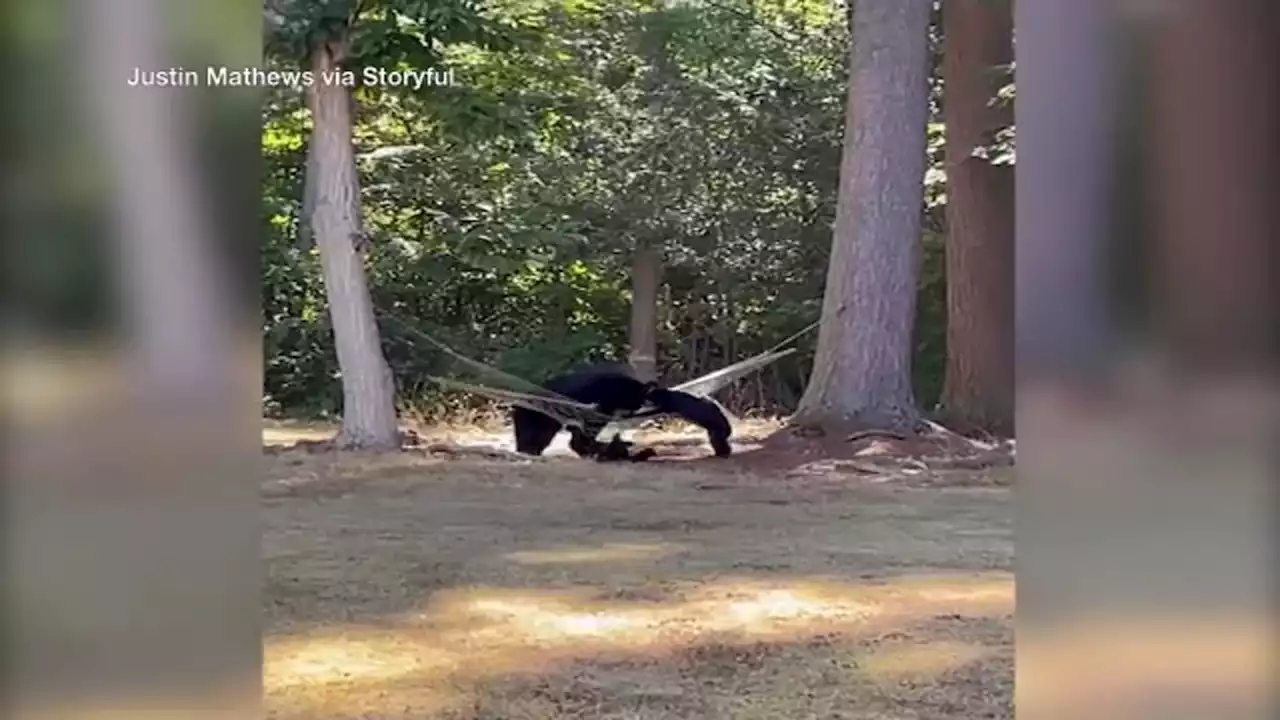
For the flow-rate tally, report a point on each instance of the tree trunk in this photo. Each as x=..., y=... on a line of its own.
x=862, y=367
x=978, y=390
x=368, y=389
x=646, y=267
x=1064, y=331
x=646, y=277
x=306, y=234
x=1214, y=177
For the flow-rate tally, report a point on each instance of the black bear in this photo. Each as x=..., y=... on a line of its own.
x=611, y=387
x=699, y=411
x=581, y=442
x=619, y=449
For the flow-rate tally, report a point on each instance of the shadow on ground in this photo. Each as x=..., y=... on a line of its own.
x=878, y=665
x=420, y=586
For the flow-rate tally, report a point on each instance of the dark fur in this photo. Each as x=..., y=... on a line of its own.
x=699, y=411
x=619, y=449
x=611, y=387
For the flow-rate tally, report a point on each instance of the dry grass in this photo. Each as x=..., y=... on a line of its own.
x=490, y=588
x=289, y=432
x=489, y=429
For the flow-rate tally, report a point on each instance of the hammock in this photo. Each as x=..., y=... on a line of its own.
x=575, y=414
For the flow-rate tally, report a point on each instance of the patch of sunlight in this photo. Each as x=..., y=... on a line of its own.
x=471, y=635
x=587, y=625
x=279, y=433
x=922, y=659
x=324, y=660
x=996, y=587
x=989, y=592
x=776, y=605
x=541, y=622
x=611, y=552
x=752, y=611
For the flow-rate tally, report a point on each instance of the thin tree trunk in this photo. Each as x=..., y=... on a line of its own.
x=646, y=278
x=862, y=367
x=306, y=234
x=368, y=390
x=978, y=390
x=646, y=269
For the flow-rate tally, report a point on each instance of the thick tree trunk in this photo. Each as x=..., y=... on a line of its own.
x=646, y=277
x=862, y=368
x=1215, y=179
x=1066, y=59
x=368, y=390
x=978, y=391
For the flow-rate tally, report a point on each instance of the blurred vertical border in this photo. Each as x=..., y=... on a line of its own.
x=1147, y=295
x=131, y=363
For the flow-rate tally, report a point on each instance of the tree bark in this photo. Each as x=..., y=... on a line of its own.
x=368, y=389
x=862, y=367
x=1214, y=178
x=978, y=389
x=1064, y=331
x=646, y=278
x=306, y=232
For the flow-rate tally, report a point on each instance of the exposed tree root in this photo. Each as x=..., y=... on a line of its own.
x=926, y=451
x=872, y=432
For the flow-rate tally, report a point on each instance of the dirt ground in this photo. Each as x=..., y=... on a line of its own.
x=455, y=581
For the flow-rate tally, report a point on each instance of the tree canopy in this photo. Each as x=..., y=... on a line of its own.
x=501, y=210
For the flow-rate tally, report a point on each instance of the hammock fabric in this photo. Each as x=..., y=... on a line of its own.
x=576, y=414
